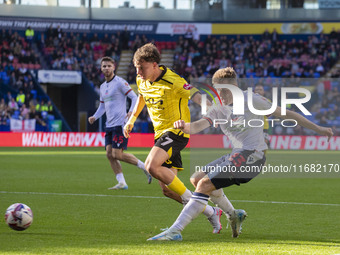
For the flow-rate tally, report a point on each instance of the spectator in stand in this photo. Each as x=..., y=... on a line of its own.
x=58, y=33
x=189, y=36
x=9, y=96
x=4, y=118
x=24, y=111
x=20, y=98
x=49, y=107
x=3, y=105
x=131, y=76
x=37, y=116
x=124, y=38
x=29, y=34
x=38, y=106
x=12, y=106
x=195, y=35
x=275, y=36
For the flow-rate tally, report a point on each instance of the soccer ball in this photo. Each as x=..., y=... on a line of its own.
x=19, y=216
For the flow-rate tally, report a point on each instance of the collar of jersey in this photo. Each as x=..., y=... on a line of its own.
x=111, y=79
x=162, y=74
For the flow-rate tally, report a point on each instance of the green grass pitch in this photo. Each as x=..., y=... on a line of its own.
x=74, y=213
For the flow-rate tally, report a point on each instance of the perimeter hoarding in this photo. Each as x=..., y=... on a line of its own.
x=97, y=139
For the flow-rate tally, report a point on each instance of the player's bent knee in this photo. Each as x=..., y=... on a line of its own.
x=147, y=165
x=194, y=181
x=152, y=167
x=117, y=155
x=109, y=156
x=196, y=177
x=205, y=186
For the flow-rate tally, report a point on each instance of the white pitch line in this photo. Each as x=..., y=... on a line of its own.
x=125, y=196
x=71, y=194
x=278, y=202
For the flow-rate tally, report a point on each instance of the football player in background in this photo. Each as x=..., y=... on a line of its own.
x=113, y=94
x=166, y=96
x=248, y=150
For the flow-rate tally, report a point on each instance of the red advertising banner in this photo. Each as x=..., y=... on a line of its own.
x=77, y=139
x=67, y=139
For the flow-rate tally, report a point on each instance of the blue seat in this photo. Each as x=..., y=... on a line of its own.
x=332, y=106
x=16, y=114
x=34, y=93
x=50, y=117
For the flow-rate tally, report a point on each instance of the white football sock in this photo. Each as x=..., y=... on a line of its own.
x=193, y=208
x=140, y=164
x=186, y=196
x=208, y=211
x=219, y=198
x=120, y=178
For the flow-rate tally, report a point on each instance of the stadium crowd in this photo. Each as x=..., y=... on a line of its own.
x=19, y=98
x=270, y=62
x=266, y=60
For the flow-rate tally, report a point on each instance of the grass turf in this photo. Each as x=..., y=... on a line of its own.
x=74, y=213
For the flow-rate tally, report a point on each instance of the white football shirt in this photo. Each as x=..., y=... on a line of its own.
x=242, y=132
x=113, y=96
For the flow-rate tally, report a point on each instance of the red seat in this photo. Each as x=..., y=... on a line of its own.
x=169, y=45
x=163, y=45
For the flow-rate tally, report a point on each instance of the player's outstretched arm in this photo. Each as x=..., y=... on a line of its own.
x=302, y=121
x=192, y=128
x=197, y=98
x=135, y=113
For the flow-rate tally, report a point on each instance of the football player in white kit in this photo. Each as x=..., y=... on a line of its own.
x=113, y=94
x=248, y=150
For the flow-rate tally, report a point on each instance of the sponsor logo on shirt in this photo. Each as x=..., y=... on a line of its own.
x=187, y=86
x=250, y=160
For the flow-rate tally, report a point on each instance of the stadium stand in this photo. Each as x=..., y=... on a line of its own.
x=269, y=59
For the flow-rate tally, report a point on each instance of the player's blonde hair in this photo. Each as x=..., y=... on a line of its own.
x=225, y=76
x=147, y=53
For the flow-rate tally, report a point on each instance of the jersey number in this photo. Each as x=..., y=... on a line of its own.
x=238, y=159
x=168, y=140
x=118, y=139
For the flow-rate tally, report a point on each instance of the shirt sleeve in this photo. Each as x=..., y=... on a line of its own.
x=193, y=92
x=182, y=88
x=125, y=87
x=211, y=115
x=100, y=111
x=127, y=91
x=132, y=95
